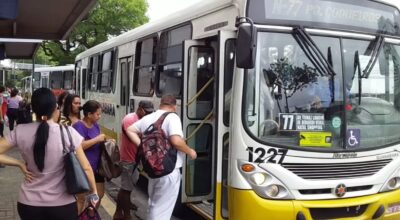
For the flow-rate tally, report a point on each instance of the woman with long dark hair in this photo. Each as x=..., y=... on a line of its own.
x=43, y=194
x=71, y=109
x=90, y=131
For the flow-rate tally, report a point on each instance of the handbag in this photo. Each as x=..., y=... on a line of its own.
x=90, y=213
x=75, y=178
x=109, y=160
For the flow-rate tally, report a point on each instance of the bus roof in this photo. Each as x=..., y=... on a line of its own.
x=55, y=68
x=202, y=8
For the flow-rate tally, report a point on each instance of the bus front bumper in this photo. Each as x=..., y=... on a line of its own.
x=246, y=204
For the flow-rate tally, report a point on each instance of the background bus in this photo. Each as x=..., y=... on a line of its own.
x=291, y=128
x=26, y=87
x=57, y=78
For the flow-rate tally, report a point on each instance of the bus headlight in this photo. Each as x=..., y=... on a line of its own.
x=263, y=183
x=258, y=178
x=272, y=191
x=392, y=183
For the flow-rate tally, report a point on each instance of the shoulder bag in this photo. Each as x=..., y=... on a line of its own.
x=75, y=177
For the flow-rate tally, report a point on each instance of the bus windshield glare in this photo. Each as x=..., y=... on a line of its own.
x=288, y=103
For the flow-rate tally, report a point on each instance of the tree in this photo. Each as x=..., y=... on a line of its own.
x=290, y=78
x=109, y=18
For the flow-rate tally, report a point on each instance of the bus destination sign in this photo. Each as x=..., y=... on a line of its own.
x=339, y=14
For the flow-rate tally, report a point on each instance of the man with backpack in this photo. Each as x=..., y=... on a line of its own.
x=161, y=152
x=128, y=161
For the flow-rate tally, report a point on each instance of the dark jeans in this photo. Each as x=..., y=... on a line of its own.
x=65, y=212
x=12, y=114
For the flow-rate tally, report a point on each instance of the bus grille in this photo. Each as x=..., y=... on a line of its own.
x=336, y=170
x=333, y=213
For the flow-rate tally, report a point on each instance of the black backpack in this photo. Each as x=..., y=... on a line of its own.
x=156, y=153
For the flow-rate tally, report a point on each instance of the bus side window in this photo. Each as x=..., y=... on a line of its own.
x=145, y=61
x=84, y=85
x=105, y=76
x=93, y=73
x=170, y=62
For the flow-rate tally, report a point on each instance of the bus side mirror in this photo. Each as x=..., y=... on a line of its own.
x=246, y=43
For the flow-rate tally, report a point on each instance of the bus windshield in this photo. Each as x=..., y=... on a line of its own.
x=289, y=103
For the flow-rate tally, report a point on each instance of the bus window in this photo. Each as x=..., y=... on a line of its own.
x=106, y=72
x=124, y=81
x=56, y=80
x=84, y=83
x=144, y=67
x=200, y=184
x=170, y=70
x=201, y=81
x=286, y=84
x=36, y=80
x=228, y=77
x=68, y=75
x=93, y=73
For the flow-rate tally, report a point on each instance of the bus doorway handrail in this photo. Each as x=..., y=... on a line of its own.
x=201, y=91
x=200, y=125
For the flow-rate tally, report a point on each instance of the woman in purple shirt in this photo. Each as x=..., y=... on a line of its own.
x=43, y=194
x=90, y=131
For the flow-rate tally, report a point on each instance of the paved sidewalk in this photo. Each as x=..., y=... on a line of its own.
x=10, y=181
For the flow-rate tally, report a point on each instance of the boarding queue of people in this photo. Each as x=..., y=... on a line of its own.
x=43, y=193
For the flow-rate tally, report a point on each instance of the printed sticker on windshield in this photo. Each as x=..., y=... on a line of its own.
x=336, y=122
x=301, y=122
x=315, y=139
x=353, y=138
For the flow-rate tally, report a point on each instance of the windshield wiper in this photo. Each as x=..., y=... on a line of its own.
x=357, y=66
x=374, y=53
x=312, y=52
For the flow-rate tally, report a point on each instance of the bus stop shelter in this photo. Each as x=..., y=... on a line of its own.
x=25, y=23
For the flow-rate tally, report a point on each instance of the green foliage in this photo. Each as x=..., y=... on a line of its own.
x=109, y=18
x=10, y=83
x=293, y=78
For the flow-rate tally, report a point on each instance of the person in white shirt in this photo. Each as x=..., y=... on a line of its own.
x=164, y=191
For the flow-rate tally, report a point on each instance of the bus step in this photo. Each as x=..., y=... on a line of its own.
x=205, y=209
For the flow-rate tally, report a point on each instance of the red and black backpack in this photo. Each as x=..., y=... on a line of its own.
x=156, y=153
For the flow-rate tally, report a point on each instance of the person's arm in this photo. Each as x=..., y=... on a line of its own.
x=80, y=128
x=179, y=143
x=10, y=161
x=132, y=133
x=80, y=155
x=89, y=143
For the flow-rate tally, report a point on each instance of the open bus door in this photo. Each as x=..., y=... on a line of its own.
x=198, y=119
x=207, y=75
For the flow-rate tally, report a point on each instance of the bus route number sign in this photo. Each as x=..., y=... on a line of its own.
x=301, y=122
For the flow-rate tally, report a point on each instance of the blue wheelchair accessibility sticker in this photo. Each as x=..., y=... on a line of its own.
x=353, y=137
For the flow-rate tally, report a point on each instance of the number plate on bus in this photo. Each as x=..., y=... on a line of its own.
x=393, y=208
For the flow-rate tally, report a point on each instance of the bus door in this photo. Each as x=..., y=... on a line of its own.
x=125, y=65
x=226, y=44
x=45, y=79
x=198, y=117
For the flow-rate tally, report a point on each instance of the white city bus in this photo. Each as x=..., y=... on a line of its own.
x=292, y=106
x=26, y=87
x=56, y=78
